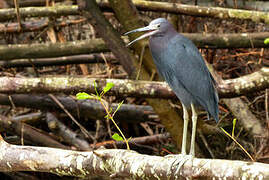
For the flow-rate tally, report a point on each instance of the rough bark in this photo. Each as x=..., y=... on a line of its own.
x=35, y=25
x=237, y=40
x=177, y=8
x=213, y=12
x=67, y=135
x=60, y=61
x=46, y=50
x=29, y=133
x=123, y=164
x=244, y=40
x=254, y=82
x=85, y=108
x=51, y=11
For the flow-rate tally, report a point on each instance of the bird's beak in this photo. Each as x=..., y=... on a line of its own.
x=149, y=29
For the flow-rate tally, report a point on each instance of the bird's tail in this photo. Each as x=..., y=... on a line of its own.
x=213, y=106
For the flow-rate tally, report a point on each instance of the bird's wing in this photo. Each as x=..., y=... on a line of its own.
x=191, y=72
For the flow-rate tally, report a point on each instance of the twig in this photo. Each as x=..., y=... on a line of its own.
x=83, y=130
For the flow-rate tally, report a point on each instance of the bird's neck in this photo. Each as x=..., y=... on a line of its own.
x=160, y=41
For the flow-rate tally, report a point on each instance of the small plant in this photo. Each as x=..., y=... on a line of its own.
x=233, y=138
x=266, y=41
x=97, y=96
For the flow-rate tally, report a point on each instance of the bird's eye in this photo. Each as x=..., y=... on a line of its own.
x=159, y=25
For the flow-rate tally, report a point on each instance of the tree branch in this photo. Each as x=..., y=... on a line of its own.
x=122, y=164
x=85, y=108
x=8, y=52
x=243, y=40
x=254, y=82
x=60, y=61
x=177, y=8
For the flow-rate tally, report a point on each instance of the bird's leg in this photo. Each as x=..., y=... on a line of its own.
x=194, y=122
x=185, y=129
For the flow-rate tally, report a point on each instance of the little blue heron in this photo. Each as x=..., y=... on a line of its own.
x=182, y=66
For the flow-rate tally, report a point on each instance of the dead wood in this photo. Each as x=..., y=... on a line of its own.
x=29, y=133
x=35, y=25
x=9, y=52
x=59, y=61
x=46, y=50
x=177, y=8
x=55, y=11
x=67, y=135
x=82, y=108
x=122, y=164
x=254, y=82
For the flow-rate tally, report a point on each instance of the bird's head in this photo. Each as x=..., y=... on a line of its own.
x=157, y=27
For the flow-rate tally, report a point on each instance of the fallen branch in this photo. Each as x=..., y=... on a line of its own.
x=29, y=133
x=254, y=82
x=84, y=108
x=8, y=52
x=55, y=11
x=76, y=59
x=68, y=135
x=35, y=25
x=122, y=164
x=176, y=8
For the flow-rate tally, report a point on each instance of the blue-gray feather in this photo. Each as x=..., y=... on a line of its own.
x=180, y=63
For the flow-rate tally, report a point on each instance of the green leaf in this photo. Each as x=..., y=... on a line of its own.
x=117, y=108
x=109, y=85
x=266, y=41
x=83, y=95
x=117, y=137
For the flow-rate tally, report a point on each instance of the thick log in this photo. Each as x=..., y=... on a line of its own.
x=9, y=52
x=254, y=82
x=46, y=50
x=85, y=108
x=51, y=11
x=176, y=8
x=136, y=166
x=59, y=61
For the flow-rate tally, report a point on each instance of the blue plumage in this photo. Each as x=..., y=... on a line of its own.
x=182, y=66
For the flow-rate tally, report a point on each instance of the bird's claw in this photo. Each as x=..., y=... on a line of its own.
x=179, y=162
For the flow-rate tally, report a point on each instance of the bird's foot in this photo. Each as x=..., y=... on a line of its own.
x=179, y=162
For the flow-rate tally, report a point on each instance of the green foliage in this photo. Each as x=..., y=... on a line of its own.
x=109, y=85
x=117, y=137
x=266, y=41
x=84, y=95
x=98, y=97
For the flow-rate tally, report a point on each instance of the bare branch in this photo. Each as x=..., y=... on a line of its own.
x=8, y=52
x=177, y=8
x=254, y=82
x=85, y=108
x=243, y=40
x=122, y=164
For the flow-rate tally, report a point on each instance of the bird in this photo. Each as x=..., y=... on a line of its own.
x=182, y=66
